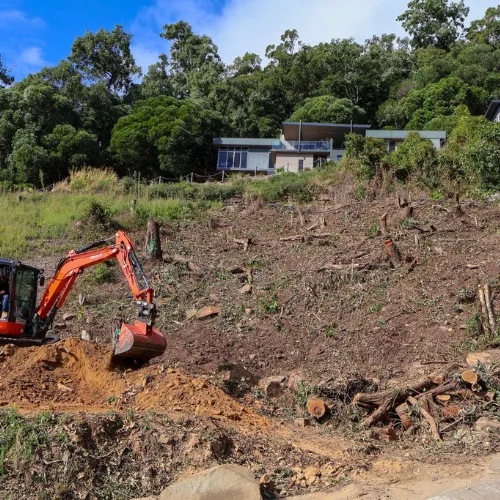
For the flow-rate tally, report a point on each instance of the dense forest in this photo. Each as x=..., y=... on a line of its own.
x=95, y=108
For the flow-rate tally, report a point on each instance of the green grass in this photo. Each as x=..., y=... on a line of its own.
x=46, y=223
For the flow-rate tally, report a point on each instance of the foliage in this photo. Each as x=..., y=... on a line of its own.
x=370, y=151
x=165, y=133
x=327, y=109
x=434, y=23
x=5, y=78
x=416, y=158
x=103, y=273
x=105, y=56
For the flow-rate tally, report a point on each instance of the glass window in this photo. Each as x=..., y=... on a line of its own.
x=237, y=157
x=244, y=159
x=230, y=158
x=222, y=158
x=25, y=294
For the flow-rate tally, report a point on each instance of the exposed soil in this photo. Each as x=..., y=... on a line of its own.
x=364, y=320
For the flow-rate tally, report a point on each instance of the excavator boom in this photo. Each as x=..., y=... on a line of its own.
x=138, y=341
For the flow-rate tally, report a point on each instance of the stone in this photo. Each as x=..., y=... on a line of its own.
x=59, y=326
x=68, y=316
x=485, y=358
x=310, y=473
x=272, y=386
x=85, y=335
x=208, y=312
x=224, y=482
x=302, y=422
x=485, y=425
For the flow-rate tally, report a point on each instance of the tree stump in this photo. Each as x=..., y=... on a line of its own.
x=153, y=242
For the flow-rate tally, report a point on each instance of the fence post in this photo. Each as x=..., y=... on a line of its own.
x=192, y=177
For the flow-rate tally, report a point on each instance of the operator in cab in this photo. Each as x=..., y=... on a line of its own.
x=4, y=296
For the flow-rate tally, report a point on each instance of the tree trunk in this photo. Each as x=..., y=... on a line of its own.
x=153, y=242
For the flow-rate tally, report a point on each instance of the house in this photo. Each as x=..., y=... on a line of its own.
x=301, y=146
x=394, y=138
x=493, y=113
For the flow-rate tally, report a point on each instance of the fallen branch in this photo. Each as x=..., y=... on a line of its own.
x=383, y=224
x=243, y=241
x=427, y=416
x=489, y=309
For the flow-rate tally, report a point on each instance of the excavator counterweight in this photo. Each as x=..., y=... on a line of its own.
x=26, y=324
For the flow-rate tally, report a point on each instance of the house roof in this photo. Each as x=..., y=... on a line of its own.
x=319, y=131
x=403, y=134
x=235, y=141
x=492, y=109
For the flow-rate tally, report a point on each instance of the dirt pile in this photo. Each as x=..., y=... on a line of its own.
x=79, y=375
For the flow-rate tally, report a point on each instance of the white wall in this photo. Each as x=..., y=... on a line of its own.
x=290, y=162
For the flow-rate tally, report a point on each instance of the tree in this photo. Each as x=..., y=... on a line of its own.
x=327, y=109
x=434, y=23
x=5, y=78
x=105, y=56
x=487, y=29
x=165, y=135
x=194, y=60
x=157, y=80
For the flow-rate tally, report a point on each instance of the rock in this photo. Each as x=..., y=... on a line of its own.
x=69, y=316
x=59, y=326
x=485, y=425
x=302, y=422
x=237, y=374
x=85, y=335
x=485, y=358
x=63, y=387
x=267, y=482
x=208, y=312
x=272, y=386
x=224, y=482
x=310, y=473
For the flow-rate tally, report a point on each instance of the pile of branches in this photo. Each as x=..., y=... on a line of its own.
x=445, y=398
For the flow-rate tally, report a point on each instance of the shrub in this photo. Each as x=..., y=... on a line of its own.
x=93, y=180
x=103, y=273
x=99, y=217
x=416, y=157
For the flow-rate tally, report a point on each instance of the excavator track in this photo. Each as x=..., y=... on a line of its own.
x=29, y=342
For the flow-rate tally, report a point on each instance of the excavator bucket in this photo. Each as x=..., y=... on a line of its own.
x=135, y=342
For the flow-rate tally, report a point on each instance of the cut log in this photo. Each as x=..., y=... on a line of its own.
x=153, y=243
x=444, y=398
x=383, y=224
x=386, y=433
x=403, y=411
x=316, y=407
x=383, y=401
x=450, y=412
x=297, y=237
x=470, y=377
x=428, y=417
x=489, y=309
x=393, y=252
x=445, y=387
x=408, y=212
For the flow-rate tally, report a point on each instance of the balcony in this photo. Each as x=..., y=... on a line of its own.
x=297, y=146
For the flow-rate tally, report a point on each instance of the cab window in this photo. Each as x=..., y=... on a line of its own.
x=25, y=294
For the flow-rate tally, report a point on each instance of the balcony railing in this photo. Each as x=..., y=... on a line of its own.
x=302, y=146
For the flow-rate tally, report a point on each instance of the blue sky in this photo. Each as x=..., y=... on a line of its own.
x=35, y=33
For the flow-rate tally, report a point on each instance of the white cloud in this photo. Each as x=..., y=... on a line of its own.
x=251, y=25
x=32, y=57
x=13, y=18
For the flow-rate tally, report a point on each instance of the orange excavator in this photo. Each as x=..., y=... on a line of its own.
x=25, y=323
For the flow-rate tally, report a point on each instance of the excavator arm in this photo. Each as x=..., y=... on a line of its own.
x=138, y=341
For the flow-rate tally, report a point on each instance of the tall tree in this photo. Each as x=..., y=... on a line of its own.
x=5, y=78
x=487, y=29
x=105, y=56
x=434, y=23
x=194, y=60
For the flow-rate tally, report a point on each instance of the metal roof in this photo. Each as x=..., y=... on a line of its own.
x=234, y=141
x=403, y=134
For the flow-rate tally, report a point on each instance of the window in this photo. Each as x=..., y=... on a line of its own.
x=392, y=146
x=25, y=294
x=232, y=158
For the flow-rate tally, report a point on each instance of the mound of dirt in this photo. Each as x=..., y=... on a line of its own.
x=79, y=375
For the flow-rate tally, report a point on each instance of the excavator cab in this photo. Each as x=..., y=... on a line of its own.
x=21, y=284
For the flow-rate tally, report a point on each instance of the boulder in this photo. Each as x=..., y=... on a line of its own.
x=486, y=358
x=486, y=424
x=224, y=482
